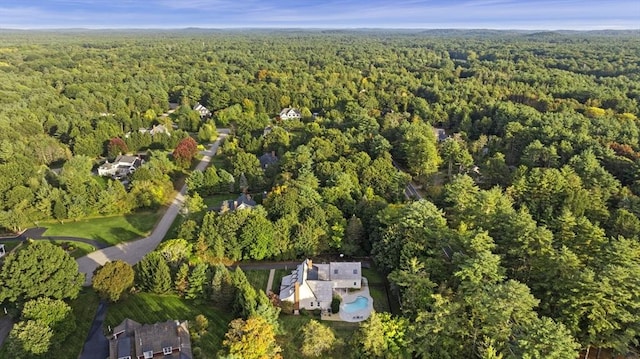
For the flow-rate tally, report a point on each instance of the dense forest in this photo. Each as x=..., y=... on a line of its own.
x=526, y=244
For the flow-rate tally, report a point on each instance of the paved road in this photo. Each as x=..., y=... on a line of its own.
x=37, y=233
x=96, y=346
x=132, y=252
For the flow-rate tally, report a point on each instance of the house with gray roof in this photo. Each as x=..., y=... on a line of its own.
x=268, y=159
x=132, y=340
x=122, y=166
x=311, y=286
x=440, y=134
x=245, y=201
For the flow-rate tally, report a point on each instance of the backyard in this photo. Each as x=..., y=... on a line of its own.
x=153, y=308
x=110, y=230
x=291, y=339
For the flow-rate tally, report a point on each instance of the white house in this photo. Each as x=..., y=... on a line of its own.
x=2, y=251
x=122, y=166
x=311, y=286
x=204, y=112
x=290, y=113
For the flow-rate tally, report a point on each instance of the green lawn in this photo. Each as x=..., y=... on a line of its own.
x=378, y=291
x=84, y=308
x=280, y=273
x=110, y=230
x=216, y=199
x=152, y=308
x=75, y=249
x=259, y=279
x=291, y=339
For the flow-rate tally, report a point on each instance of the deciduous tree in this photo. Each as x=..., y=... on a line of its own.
x=113, y=279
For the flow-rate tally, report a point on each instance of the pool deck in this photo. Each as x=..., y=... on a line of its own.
x=359, y=315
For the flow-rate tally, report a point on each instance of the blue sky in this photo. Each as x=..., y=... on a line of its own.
x=491, y=14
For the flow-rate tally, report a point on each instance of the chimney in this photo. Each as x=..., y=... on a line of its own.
x=296, y=296
x=309, y=263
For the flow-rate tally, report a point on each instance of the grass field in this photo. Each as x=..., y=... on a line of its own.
x=216, y=200
x=378, y=290
x=75, y=249
x=259, y=279
x=291, y=339
x=84, y=308
x=110, y=230
x=152, y=308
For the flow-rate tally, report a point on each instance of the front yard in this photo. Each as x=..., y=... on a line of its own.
x=110, y=230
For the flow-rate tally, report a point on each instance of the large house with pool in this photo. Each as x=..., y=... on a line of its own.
x=311, y=286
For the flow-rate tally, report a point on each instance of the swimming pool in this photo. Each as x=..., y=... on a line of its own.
x=358, y=304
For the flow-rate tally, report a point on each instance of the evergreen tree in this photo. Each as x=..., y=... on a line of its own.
x=182, y=280
x=222, y=287
x=197, y=281
x=153, y=273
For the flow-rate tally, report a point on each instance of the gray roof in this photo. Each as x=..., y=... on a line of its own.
x=440, y=134
x=133, y=339
x=323, y=290
x=345, y=270
x=267, y=159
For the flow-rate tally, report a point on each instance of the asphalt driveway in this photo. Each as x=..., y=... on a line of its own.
x=96, y=346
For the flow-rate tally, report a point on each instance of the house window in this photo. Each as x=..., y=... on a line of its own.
x=312, y=304
x=335, y=271
x=148, y=354
x=167, y=350
x=355, y=271
x=354, y=283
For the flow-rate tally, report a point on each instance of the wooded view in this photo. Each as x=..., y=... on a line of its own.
x=491, y=178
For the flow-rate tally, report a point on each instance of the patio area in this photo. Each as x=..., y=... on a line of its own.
x=357, y=305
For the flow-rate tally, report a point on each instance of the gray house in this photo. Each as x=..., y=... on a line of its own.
x=132, y=340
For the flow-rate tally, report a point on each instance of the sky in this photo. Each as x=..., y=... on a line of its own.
x=426, y=14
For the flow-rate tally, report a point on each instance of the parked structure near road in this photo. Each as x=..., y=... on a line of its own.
x=311, y=286
x=131, y=340
x=122, y=166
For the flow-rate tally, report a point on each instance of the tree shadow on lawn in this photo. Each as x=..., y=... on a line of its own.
x=117, y=235
x=143, y=222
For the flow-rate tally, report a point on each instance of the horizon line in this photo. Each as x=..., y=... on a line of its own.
x=310, y=28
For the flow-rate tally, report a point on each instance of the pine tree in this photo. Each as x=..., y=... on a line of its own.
x=182, y=280
x=222, y=288
x=197, y=280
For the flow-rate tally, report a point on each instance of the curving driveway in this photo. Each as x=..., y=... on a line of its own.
x=37, y=233
x=132, y=252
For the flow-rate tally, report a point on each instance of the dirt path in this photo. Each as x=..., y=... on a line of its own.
x=132, y=252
